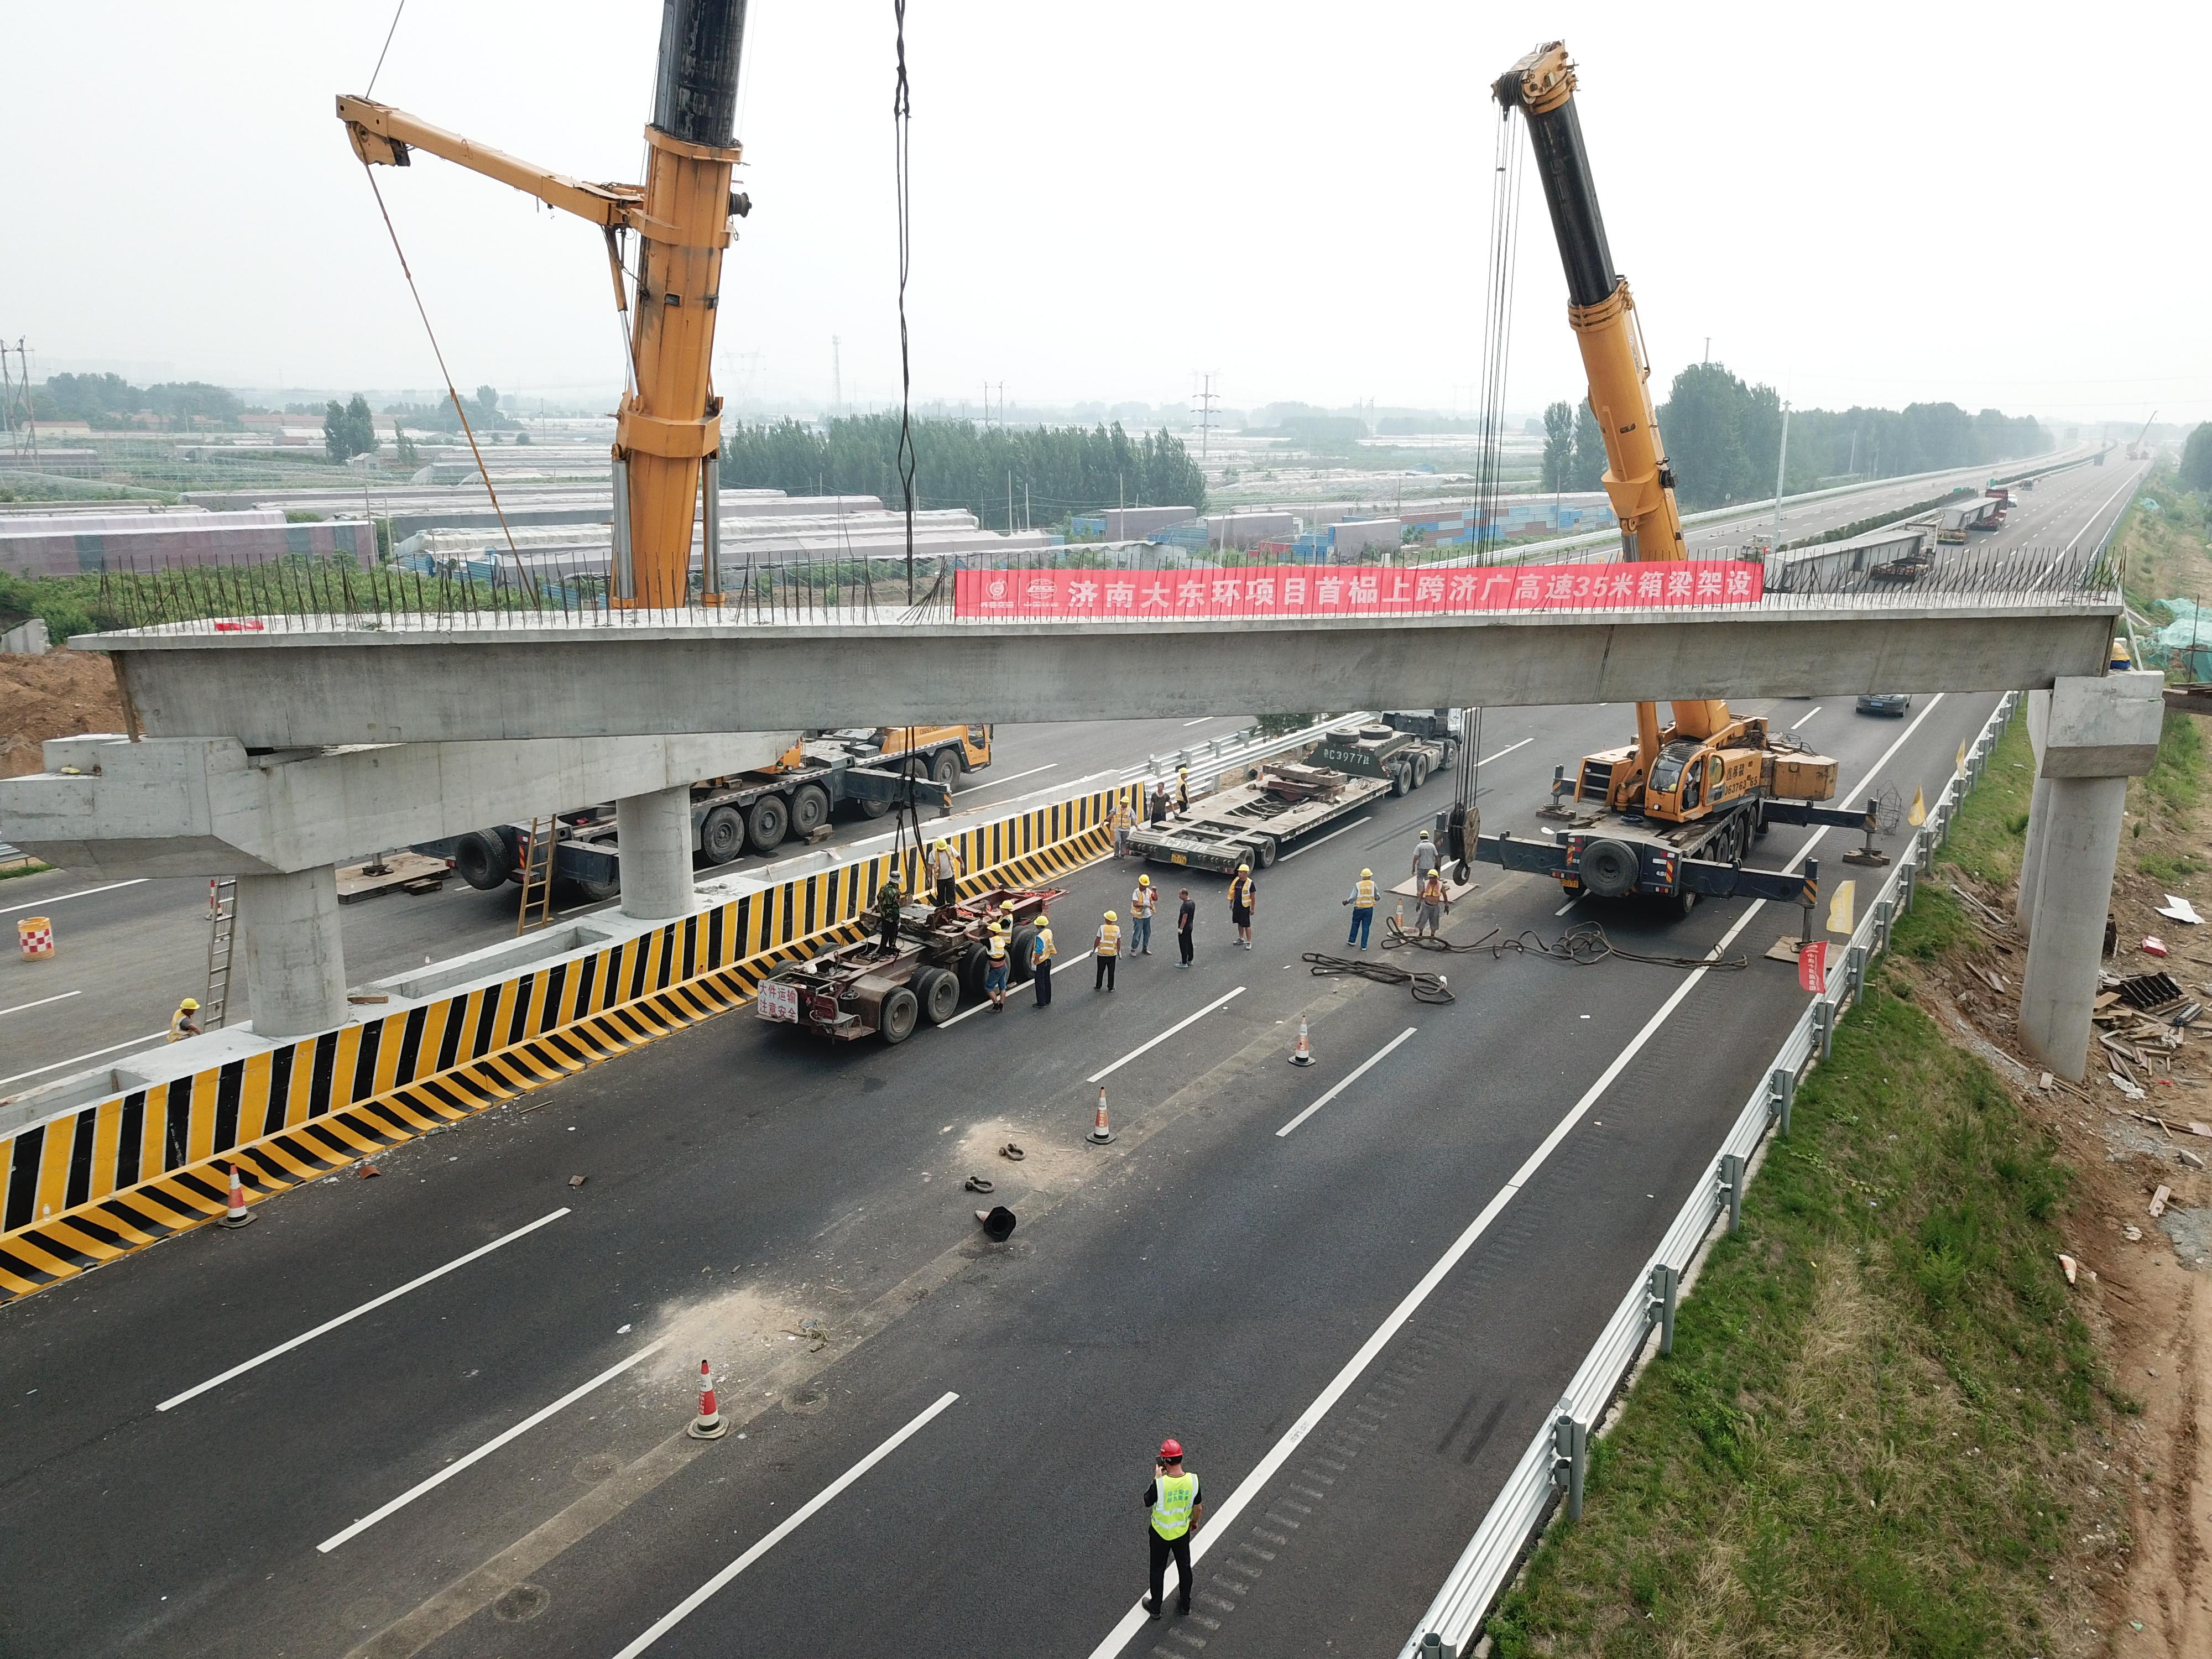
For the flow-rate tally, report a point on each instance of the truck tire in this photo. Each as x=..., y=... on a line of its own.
x=1263, y=851
x=1682, y=903
x=1420, y=770
x=1608, y=868
x=722, y=835
x=902, y=1009
x=938, y=990
x=973, y=966
x=1018, y=949
x=1401, y=781
x=945, y=767
x=767, y=820
x=874, y=809
x=597, y=893
x=810, y=809
x=481, y=859
x=1450, y=757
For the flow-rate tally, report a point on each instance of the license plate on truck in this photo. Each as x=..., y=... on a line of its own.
x=778, y=1001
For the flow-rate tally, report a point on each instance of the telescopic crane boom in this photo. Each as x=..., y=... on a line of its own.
x=668, y=430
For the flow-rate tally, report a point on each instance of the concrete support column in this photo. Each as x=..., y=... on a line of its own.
x=2031, y=857
x=2081, y=839
x=295, y=981
x=654, y=831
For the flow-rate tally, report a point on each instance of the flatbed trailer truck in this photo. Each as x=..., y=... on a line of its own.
x=1252, y=823
x=862, y=989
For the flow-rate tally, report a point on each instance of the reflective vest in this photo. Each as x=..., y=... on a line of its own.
x=1109, y=938
x=1123, y=818
x=996, y=943
x=1240, y=891
x=1141, y=902
x=948, y=864
x=1041, y=950
x=1363, y=894
x=1172, y=1498
x=178, y=1021
x=1433, y=888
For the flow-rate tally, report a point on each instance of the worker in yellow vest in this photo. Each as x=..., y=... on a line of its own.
x=946, y=862
x=1176, y=1507
x=1124, y=820
x=1244, y=897
x=1431, y=903
x=1183, y=790
x=1041, y=955
x=995, y=965
x=1107, y=946
x=183, y=1024
x=1362, y=901
x=1142, y=903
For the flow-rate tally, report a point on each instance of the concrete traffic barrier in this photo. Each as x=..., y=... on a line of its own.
x=34, y=937
x=708, y=1425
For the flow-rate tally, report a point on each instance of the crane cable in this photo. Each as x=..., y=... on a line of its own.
x=1427, y=986
x=903, y=164
x=1584, y=945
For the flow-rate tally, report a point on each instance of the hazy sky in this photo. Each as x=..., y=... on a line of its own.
x=1861, y=202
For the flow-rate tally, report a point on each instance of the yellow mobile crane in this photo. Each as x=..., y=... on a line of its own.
x=668, y=432
x=1689, y=796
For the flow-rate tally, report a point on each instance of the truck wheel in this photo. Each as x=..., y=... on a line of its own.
x=810, y=809
x=973, y=967
x=766, y=820
x=874, y=809
x=1024, y=937
x=1401, y=781
x=1608, y=868
x=599, y=892
x=1420, y=770
x=901, y=1010
x=1684, y=902
x=946, y=768
x=1263, y=851
x=1450, y=757
x=481, y=859
x=938, y=990
x=722, y=837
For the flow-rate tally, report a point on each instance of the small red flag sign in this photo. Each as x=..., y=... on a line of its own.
x=1812, y=966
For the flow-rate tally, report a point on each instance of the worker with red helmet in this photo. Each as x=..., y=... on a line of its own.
x=1175, y=1509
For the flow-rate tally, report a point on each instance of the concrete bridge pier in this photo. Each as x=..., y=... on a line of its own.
x=654, y=831
x=2090, y=735
x=295, y=980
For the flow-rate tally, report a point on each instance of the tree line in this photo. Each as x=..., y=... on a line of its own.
x=1050, y=471
x=2196, y=460
x=1723, y=439
x=108, y=401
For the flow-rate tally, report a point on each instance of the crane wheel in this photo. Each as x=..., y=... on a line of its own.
x=946, y=768
x=874, y=809
x=481, y=859
x=810, y=809
x=722, y=836
x=902, y=1009
x=938, y=990
x=1608, y=868
x=767, y=820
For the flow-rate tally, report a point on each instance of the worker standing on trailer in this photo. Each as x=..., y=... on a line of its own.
x=1430, y=905
x=1243, y=898
x=888, y=899
x=1186, y=923
x=1124, y=821
x=1183, y=790
x=1159, y=807
x=1177, y=1507
x=1142, y=903
x=948, y=864
x=182, y=1024
x=1107, y=946
x=995, y=965
x=1041, y=955
x=1361, y=898
x=1425, y=856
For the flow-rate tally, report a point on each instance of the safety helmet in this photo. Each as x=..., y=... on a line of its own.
x=1172, y=1451
x=1111, y=917
x=1367, y=875
x=1006, y=904
x=1424, y=835
x=190, y=1002
x=1243, y=869
x=1144, y=881
x=944, y=846
x=1182, y=771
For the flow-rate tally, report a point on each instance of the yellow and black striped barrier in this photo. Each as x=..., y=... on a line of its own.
x=87, y=1185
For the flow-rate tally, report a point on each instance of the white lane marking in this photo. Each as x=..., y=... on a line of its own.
x=1193, y=1019
x=348, y=1317
x=128, y=1042
x=82, y=892
x=1798, y=723
x=1016, y=778
x=1200, y=721
x=1508, y=749
x=799, y=1518
x=1356, y=1074
x=24, y=1007
x=967, y=1013
x=1218, y=1520
x=1331, y=836
x=489, y=1447
x=1568, y=906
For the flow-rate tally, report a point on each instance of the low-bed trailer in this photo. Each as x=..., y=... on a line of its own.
x=860, y=989
x=1252, y=823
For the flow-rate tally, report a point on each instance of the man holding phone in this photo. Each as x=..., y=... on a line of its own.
x=1176, y=1509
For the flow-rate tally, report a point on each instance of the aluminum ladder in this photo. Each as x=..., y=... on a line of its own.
x=223, y=928
x=537, y=874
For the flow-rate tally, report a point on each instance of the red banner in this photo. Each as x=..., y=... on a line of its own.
x=1812, y=966
x=1294, y=590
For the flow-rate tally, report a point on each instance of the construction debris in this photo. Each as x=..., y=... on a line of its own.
x=2158, y=1201
x=2177, y=908
x=2144, y=991
x=2068, y=1262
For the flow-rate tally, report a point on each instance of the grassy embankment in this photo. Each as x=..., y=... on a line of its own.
x=1877, y=1433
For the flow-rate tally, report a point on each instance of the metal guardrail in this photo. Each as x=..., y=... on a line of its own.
x=1550, y=1470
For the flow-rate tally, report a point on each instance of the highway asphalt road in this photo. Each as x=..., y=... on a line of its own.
x=796, y=1215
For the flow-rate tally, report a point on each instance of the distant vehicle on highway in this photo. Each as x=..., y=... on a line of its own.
x=1885, y=703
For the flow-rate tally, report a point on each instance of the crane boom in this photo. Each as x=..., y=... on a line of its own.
x=668, y=430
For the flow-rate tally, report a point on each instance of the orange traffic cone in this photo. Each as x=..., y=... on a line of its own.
x=1101, y=1130
x=238, y=1215
x=708, y=1425
x=1303, y=1055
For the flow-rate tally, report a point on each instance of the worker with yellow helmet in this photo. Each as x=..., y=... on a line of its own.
x=1124, y=820
x=996, y=940
x=1243, y=899
x=182, y=1023
x=947, y=863
x=1108, y=945
x=1362, y=901
x=1142, y=903
x=1041, y=955
x=1183, y=790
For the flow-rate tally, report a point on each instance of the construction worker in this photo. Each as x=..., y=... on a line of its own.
x=1361, y=898
x=1431, y=902
x=1124, y=820
x=1107, y=946
x=181, y=1023
x=1142, y=903
x=1425, y=856
x=1186, y=923
x=1041, y=955
x=1175, y=1507
x=1243, y=896
x=888, y=899
x=1183, y=790
x=1159, y=807
x=948, y=864
x=995, y=963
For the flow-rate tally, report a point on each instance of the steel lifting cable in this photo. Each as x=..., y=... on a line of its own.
x=903, y=163
x=1584, y=945
x=1427, y=986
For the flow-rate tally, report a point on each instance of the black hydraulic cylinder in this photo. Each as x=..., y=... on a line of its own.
x=695, y=96
x=1563, y=169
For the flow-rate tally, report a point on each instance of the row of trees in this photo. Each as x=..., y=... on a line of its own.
x=1724, y=440
x=2196, y=460
x=1051, y=472
x=109, y=402
x=441, y=416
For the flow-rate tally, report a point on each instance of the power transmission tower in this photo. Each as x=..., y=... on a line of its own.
x=1206, y=399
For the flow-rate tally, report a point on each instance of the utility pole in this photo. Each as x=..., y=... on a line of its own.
x=1206, y=399
x=836, y=375
x=1709, y=351
x=1010, y=500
